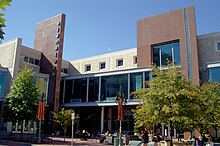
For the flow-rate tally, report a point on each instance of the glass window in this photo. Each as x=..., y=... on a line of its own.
x=102, y=65
x=93, y=89
x=88, y=68
x=68, y=91
x=119, y=62
x=218, y=46
x=75, y=90
x=26, y=58
x=135, y=60
x=31, y=60
x=37, y=62
x=2, y=84
x=166, y=52
x=136, y=82
x=110, y=86
x=148, y=77
x=214, y=74
x=42, y=86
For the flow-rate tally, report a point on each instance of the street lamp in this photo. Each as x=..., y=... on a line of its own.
x=120, y=98
x=40, y=116
x=72, y=117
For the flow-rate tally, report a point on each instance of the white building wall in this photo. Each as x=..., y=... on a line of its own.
x=10, y=54
x=31, y=53
x=109, y=58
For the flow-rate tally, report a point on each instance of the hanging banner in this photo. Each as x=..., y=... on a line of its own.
x=41, y=110
x=120, y=108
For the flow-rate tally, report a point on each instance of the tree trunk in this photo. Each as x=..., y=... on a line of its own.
x=64, y=133
x=171, y=128
x=22, y=129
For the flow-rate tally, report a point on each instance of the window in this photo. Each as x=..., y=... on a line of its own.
x=110, y=85
x=119, y=62
x=37, y=62
x=64, y=70
x=218, y=46
x=164, y=52
x=135, y=60
x=102, y=65
x=31, y=60
x=136, y=82
x=214, y=74
x=26, y=58
x=88, y=67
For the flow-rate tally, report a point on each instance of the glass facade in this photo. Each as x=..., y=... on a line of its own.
x=2, y=84
x=164, y=52
x=42, y=85
x=76, y=90
x=110, y=85
x=93, y=89
x=136, y=82
x=214, y=74
x=88, y=89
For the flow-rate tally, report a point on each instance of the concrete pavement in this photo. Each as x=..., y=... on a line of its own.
x=54, y=142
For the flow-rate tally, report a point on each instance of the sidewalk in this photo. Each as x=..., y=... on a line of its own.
x=54, y=142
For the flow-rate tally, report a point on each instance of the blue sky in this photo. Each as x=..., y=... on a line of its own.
x=94, y=26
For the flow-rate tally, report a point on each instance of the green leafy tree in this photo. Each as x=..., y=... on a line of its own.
x=3, y=4
x=22, y=99
x=63, y=117
x=167, y=101
x=175, y=101
x=206, y=112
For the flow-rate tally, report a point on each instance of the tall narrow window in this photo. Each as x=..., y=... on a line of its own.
x=134, y=59
x=166, y=52
x=218, y=46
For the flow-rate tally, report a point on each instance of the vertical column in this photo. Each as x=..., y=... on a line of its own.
x=163, y=133
x=128, y=86
x=23, y=125
x=174, y=132
x=102, y=118
x=16, y=126
x=29, y=126
x=100, y=85
x=87, y=90
x=110, y=118
x=35, y=127
x=64, y=89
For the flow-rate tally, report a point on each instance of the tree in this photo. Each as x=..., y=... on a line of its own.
x=206, y=115
x=3, y=4
x=175, y=101
x=167, y=100
x=22, y=99
x=63, y=117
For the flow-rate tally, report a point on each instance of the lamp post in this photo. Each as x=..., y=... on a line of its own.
x=72, y=117
x=120, y=98
x=40, y=116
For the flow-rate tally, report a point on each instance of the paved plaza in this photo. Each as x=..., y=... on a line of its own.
x=53, y=142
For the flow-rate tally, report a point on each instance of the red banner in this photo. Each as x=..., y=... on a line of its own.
x=41, y=110
x=120, y=108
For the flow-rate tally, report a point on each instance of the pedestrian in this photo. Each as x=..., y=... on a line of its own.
x=209, y=143
x=199, y=141
x=144, y=137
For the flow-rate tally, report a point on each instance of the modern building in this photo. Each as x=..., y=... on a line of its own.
x=90, y=85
